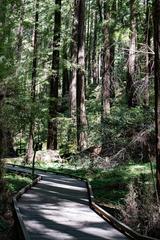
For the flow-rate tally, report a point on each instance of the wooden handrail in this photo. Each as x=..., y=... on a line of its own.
x=23, y=233
x=129, y=232
x=113, y=221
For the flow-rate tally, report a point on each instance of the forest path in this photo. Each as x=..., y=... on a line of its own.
x=57, y=208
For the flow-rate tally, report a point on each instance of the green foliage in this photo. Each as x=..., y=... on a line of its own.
x=112, y=186
x=122, y=127
x=66, y=136
x=16, y=182
x=13, y=183
x=109, y=186
x=125, y=117
x=141, y=210
x=93, y=107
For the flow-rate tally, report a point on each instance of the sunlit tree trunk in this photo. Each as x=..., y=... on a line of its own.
x=81, y=109
x=130, y=88
x=30, y=150
x=73, y=81
x=107, y=71
x=54, y=80
x=157, y=85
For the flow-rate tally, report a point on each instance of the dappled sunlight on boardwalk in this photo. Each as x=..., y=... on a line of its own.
x=57, y=208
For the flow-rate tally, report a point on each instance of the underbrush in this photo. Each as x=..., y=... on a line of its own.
x=12, y=183
x=142, y=209
x=16, y=182
x=110, y=186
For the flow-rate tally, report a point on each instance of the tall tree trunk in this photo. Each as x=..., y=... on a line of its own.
x=107, y=71
x=112, y=48
x=112, y=79
x=54, y=80
x=73, y=81
x=19, y=47
x=147, y=43
x=100, y=56
x=30, y=150
x=130, y=87
x=65, y=75
x=157, y=86
x=90, y=47
x=87, y=49
x=6, y=139
x=81, y=110
x=94, y=53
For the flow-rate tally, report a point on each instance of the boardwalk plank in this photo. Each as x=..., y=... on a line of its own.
x=57, y=208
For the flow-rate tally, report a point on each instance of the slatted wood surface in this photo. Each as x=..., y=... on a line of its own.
x=57, y=208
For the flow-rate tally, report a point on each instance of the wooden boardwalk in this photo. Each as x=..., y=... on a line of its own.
x=57, y=208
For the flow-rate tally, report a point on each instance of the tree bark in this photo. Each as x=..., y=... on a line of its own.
x=73, y=81
x=89, y=49
x=107, y=71
x=112, y=79
x=157, y=86
x=65, y=75
x=94, y=52
x=54, y=80
x=147, y=66
x=112, y=49
x=81, y=110
x=30, y=150
x=130, y=87
x=6, y=139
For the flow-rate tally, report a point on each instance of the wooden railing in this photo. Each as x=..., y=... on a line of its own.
x=19, y=224
x=130, y=233
x=113, y=221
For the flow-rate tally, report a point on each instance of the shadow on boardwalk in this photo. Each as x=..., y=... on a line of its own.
x=57, y=208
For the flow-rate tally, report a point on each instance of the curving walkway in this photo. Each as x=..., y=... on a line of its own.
x=57, y=208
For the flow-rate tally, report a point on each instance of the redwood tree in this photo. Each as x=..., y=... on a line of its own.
x=147, y=33
x=157, y=84
x=30, y=150
x=54, y=80
x=107, y=65
x=130, y=88
x=6, y=68
x=81, y=110
x=73, y=80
